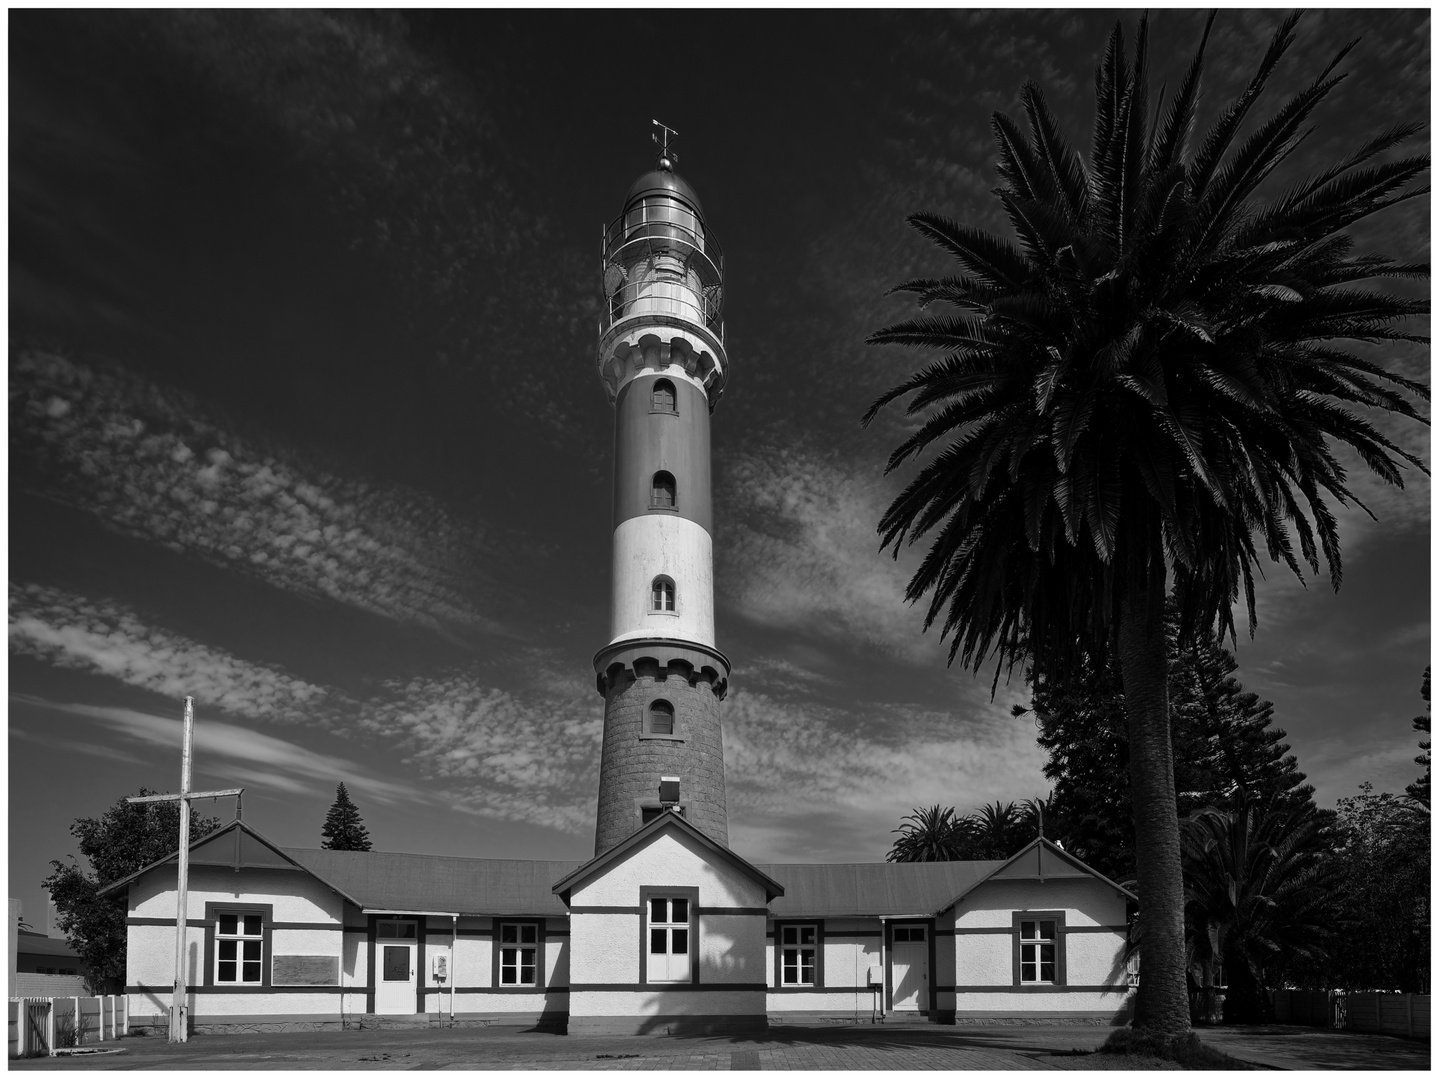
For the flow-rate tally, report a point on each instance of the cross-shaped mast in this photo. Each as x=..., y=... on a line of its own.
x=662, y=138
x=180, y=989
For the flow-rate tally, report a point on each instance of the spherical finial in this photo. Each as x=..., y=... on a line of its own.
x=665, y=164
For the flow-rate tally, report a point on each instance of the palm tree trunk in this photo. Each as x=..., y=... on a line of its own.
x=1162, y=1003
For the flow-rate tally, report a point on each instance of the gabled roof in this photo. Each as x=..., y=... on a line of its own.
x=1040, y=860
x=399, y=882
x=867, y=890
x=238, y=847
x=642, y=835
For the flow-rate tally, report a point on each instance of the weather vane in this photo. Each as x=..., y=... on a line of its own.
x=662, y=139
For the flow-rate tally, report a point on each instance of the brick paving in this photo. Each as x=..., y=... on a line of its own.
x=918, y=1047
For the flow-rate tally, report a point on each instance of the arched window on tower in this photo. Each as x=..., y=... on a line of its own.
x=662, y=491
x=662, y=396
x=660, y=718
x=662, y=594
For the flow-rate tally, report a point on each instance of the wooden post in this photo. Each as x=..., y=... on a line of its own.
x=180, y=988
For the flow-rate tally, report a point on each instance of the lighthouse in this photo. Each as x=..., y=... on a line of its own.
x=662, y=362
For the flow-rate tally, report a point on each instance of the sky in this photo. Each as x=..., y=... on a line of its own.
x=304, y=419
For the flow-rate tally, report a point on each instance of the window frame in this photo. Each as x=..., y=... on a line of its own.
x=664, y=582
x=647, y=730
x=213, y=911
x=674, y=409
x=674, y=505
x=689, y=893
x=497, y=953
x=1018, y=946
x=819, y=948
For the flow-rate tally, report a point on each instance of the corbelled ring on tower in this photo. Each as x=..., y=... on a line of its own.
x=662, y=361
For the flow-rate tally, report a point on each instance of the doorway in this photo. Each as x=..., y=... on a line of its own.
x=910, y=969
x=395, y=991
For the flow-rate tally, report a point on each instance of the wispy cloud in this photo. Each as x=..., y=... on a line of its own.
x=798, y=772
x=517, y=756
x=801, y=555
x=249, y=756
x=144, y=460
x=107, y=639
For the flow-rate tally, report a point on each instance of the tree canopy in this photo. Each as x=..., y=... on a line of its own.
x=126, y=838
x=344, y=830
x=1145, y=388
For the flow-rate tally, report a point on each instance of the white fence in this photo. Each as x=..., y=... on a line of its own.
x=43, y=1025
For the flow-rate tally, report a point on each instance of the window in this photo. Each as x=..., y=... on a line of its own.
x=669, y=939
x=797, y=955
x=1039, y=948
x=908, y=933
x=662, y=594
x=239, y=947
x=662, y=718
x=649, y=813
x=519, y=946
x=662, y=491
x=662, y=396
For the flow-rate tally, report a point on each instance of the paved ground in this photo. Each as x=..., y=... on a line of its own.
x=892, y=1046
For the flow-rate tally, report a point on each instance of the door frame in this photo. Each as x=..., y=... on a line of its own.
x=929, y=995
x=371, y=939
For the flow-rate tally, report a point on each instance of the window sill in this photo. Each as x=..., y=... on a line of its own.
x=661, y=738
x=663, y=412
x=664, y=509
x=668, y=614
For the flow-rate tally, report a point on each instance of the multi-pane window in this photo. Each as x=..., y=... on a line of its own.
x=662, y=396
x=797, y=955
x=1037, y=951
x=662, y=491
x=669, y=939
x=662, y=594
x=519, y=943
x=239, y=947
x=909, y=933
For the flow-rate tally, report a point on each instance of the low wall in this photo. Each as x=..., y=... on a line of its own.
x=1389, y=1014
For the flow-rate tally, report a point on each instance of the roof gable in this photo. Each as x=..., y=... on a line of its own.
x=1040, y=860
x=238, y=847
x=602, y=862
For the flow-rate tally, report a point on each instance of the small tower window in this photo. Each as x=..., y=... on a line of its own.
x=662, y=396
x=662, y=594
x=660, y=718
x=662, y=491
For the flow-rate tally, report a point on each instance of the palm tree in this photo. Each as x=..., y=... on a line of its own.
x=1142, y=391
x=1257, y=893
x=998, y=830
x=930, y=835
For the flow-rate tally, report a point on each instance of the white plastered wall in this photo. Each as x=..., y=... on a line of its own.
x=294, y=897
x=473, y=970
x=605, y=946
x=646, y=547
x=1094, y=965
x=851, y=947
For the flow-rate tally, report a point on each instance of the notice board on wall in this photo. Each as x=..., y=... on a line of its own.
x=305, y=971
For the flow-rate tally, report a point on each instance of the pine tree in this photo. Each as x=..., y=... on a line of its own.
x=1420, y=789
x=343, y=829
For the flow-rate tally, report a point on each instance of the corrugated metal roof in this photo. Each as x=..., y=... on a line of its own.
x=397, y=881
x=28, y=944
x=837, y=890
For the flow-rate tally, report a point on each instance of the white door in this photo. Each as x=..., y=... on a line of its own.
x=395, y=967
x=910, y=969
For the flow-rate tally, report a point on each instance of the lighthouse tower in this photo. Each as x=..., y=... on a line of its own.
x=662, y=363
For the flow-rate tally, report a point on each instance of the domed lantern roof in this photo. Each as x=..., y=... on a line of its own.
x=664, y=180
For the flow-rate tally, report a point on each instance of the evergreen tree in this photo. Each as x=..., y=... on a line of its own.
x=343, y=829
x=126, y=838
x=1227, y=751
x=1420, y=789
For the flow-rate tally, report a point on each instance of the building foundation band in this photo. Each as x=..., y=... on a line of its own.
x=665, y=929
